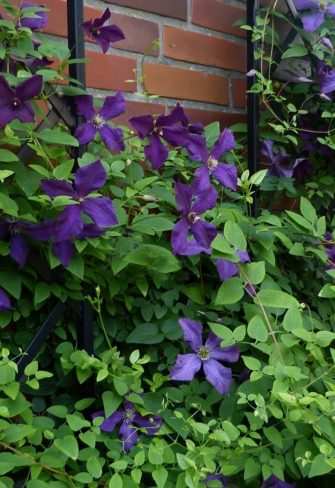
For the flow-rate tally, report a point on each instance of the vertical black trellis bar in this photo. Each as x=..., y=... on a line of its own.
x=76, y=44
x=252, y=98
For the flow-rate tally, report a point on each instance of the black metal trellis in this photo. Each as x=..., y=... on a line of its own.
x=62, y=109
x=253, y=98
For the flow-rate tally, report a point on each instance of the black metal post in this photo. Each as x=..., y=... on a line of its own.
x=252, y=98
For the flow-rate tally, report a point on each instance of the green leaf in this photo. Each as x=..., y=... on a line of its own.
x=253, y=272
x=42, y=292
x=37, y=484
x=115, y=481
x=257, y=329
x=308, y=211
x=146, y=333
x=7, y=156
x=235, y=236
x=93, y=467
x=77, y=266
x=68, y=445
x=274, y=436
x=11, y=282
x=56, y=136
x=149, y=224
x=63, y=170
x=230, y=291
x=153, y=258
x=298, y=221
x=110, y=402
x=296, y=51
x=160, y=476
x=319, y=466
x=252, y=363
x=276, y=299
x=8, y=205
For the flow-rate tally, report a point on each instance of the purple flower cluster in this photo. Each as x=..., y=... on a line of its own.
x=131, y=423
x=205, y=355
x=14, y=102
x=37, y=21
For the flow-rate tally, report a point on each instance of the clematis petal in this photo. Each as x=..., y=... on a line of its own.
x=183, y=195
x=90, y=178
x=313, y=21
x=185, y=368
x=84, y=106
x=176, y=115
x=201, y=181
x=113, y=106
x=4, y=228
x=24, y=112
x=29, y=88
x=96, y=23
x=69, y=224
x=107, y=35
x=64, y=251
x=39, y=232
x=267, y=149
x=90, y=231
x=128, y=435
x=228, y=354
x=101, y=210
x=226, y=269
x=193, y=248
x=226, y=174
x=197, y=148
x=331, y=11
x=176, y=135
x=152, y=423
x=87, y=27
x=85, y=133
x=156, y=152
x=113, y=138
x=205, y=200
x=4, y=301
x=218, y=375
x=217, y=477
x=144, y=125
x=7, y=114
x=179, y=236
x=55, y=188
x=305, y=4
x=19, y=249
x=109, y=424
x=274, y=482
x=6, y=92
x=203, y=232
x=101, y=41
x=192, y=333
x=243, y=255
x=225, y=143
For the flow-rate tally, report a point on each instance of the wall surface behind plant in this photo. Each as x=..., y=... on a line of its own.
x=200, y=59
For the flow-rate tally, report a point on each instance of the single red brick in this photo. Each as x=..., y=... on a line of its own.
x=172, y=82
x=202, y=49
x=239, y=87
x=110, y=72
x=218, y=16
x=169, y=8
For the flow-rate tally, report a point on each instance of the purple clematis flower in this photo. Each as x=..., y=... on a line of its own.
x=326, y=78
x=170, y=128
x=36, y=22
x=220, y=480
x=280, y=164
x=316, y=17
x=14, y=101
x=101, y=210
x=226, y=174
x=203, y=232
x=207, y=355
x=274, y=482
x=5, y=304
x=131, y=422
x=103, y=35
x=227, y=269
x=18, y=231
x=112, y=107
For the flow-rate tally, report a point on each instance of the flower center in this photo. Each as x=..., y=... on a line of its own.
x=212, y=164
x=193, y=217
x=203, y=353
x=16, y=102
x=323, y=5
x=128, y=415
x=98, y=121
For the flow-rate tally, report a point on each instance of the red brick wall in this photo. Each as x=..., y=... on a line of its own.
x=200, y=61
